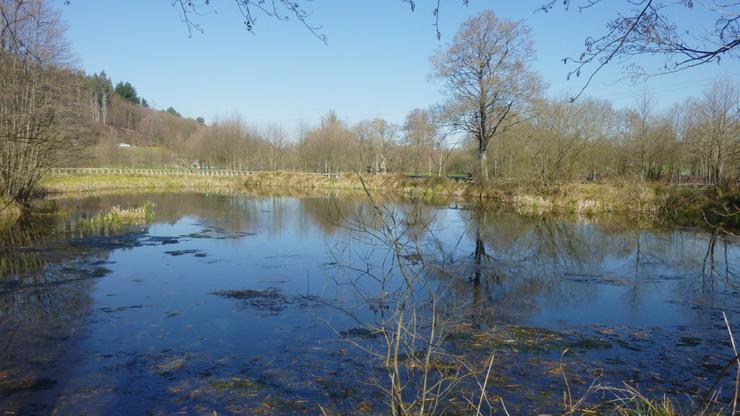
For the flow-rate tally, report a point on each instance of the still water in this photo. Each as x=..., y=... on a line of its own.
x=239, y=304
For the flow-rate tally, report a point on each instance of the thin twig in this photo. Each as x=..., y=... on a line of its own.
x=737, y=376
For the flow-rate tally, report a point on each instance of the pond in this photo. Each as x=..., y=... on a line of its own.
x=241, y=304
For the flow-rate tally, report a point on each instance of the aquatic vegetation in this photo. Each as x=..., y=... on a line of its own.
x=637, y=201
x=362, y=333
x=217, y=233
x=11, y=385
x=239, y=385
x=271, y=300
x=177, y=253
x=118, y=217
x=629, y=401
x=252, y=348
x=587, y=207
x=523, y=339
x=532, y=204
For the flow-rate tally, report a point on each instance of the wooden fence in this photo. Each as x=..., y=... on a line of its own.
x=164, y=172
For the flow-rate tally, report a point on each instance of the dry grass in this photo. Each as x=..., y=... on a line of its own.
x=118, y=217
x=70, y=184
x=642, y=202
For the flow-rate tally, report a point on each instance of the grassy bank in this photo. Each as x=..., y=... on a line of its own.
x=641, y=202
x=70, y=184
x=649, y=202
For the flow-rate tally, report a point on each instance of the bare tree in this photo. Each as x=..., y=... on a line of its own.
x=284, y=10
x=32, y=29
x=650, y=27
x=720, y=115
x=277, y=139
x=557, y=137
x=487, y=78
x=37, y=99
x=407, y=333
x=420, y=132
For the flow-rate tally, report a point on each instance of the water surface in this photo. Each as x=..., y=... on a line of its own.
x=235, y=304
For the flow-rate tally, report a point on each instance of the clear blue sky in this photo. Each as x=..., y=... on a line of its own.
x=376, y=62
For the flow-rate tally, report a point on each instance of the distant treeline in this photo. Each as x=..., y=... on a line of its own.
x=697, y=140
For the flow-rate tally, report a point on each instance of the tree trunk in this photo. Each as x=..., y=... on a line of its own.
x=483, y=164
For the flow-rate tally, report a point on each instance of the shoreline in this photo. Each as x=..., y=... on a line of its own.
x=635, y=201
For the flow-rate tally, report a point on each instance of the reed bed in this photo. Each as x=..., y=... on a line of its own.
x=117, y=217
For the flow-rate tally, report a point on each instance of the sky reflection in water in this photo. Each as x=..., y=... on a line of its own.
x=132, y=322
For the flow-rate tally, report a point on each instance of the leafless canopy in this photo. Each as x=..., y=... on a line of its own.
x=250, y=9
x=487, y=78
x=650, y=28
x=278, y=9
x=38, y=99
x=28, y=29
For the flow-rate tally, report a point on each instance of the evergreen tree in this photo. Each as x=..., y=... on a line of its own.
x=171, y=110
x=127, y=92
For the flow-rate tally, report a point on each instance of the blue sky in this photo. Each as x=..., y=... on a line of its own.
x=376, y=62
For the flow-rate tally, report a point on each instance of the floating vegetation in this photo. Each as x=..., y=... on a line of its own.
x=217, y=233
x=162, y=240
x=271, y=301
x=177, y=253
x=12, y=386
x=170, y=366
x=121, y=308
x=279, y=405
x=526, y=340
x=270, y=292
x=689, y=341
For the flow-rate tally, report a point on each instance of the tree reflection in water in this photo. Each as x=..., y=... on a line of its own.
x=642, y=304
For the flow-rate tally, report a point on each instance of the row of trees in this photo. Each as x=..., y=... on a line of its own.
x=492, y=95
x=558, y=140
